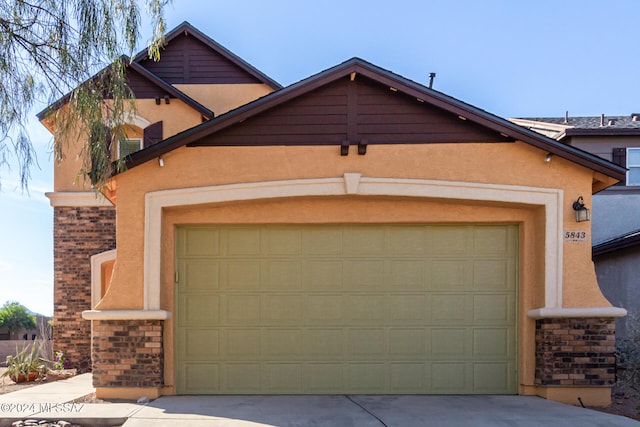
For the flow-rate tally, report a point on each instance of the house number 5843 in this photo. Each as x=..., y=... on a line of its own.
x=575, y=236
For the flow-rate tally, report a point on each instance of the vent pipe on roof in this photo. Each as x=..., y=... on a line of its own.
x=601, y=120
x=432, y=76
x=611, y=122
x=635, y=117
x=566, y=117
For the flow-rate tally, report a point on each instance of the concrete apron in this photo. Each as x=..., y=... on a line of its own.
x=367, y=411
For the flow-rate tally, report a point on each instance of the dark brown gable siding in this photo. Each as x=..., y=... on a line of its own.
x=353, y=111
x=143, y=88
x=187, y=60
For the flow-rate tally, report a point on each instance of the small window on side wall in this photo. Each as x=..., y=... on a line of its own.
x=633, y=166
x=129, y=146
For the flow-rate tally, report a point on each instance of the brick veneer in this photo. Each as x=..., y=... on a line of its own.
x=575, y=352
x=127, y=353
x=78, y=233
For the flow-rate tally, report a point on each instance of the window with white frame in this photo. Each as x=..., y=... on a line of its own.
x=129, y=146
x=633, y=166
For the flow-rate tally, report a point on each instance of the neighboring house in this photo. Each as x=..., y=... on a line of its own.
x=616, y=222
x=355, y=232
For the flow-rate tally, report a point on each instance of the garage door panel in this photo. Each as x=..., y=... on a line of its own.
x=200, y=275
x=449, y=378
x=241, y=309
x=198, y=378
x=283, y=275
x=408, y=241
x=324, y=344
x=324, y=309
x=287, y=309
x=323, y=275
x=364, y=308
x=366, y=378
x=283, y=309
x=364, y=274
x=238, y=275
x=242, y=378
x=282, y=344
x=492, y=343
x=407, y=343
x=281, y=241
x=450, y=308
x=199, y=241
x=407, y=377
x=407, y=274
x=241, y=241
x=241, y=344
x=366, y=344
x=325, y=378
x=204, y=309
x=449, y=343
x=449, y=240
x=200, y=344
x=448, y=274
x=281, y=378
x=365, y=241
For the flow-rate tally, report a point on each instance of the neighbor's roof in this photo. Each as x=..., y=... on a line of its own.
x=621, y=242
x=402, y=84
x=591, y=125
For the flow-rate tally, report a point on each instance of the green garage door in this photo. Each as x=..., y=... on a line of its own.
x=317, y=309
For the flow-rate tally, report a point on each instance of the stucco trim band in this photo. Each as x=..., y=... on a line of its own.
x=586, y=312
x=126, y=315
x=77, y=198
x=355, y=184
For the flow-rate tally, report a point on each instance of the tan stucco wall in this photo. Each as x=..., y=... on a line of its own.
x=221, y=98
x=510, y=164
x=176, y=117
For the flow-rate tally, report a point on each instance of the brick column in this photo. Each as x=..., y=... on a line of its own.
x=78, y=233
x=575, y=352
x=128, y=353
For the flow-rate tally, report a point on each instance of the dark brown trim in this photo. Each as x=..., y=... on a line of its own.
x=172, y=90
x=212, y=44
x=627, y=241
x=509, y=130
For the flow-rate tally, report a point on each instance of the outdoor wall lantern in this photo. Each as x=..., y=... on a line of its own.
x=582, y=212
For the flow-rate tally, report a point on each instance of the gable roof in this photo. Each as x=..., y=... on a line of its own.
x=147, y=77
x=357, y=66
x=218, y=55
x=629, y=240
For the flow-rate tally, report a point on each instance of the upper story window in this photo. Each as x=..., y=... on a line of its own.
x=129, y=146
x=633, y=166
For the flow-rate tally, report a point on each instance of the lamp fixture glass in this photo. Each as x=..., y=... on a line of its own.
x=582, y=212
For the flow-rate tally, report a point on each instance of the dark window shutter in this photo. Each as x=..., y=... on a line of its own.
x=619, y=157
x=152, y=134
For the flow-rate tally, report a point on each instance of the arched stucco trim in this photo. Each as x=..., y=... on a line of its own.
x=96, y=274
x=355, y=184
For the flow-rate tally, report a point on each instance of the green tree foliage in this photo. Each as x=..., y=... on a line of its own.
x=51, y=48
x=15, y=316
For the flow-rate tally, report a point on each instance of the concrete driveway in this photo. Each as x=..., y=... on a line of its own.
x=367, y=411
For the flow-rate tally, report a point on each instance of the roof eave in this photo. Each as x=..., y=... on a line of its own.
x=400, y=83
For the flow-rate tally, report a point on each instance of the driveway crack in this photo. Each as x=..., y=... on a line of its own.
x=349, y=398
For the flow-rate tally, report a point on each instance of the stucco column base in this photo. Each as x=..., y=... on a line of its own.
x=590, y=396
x=127, y=393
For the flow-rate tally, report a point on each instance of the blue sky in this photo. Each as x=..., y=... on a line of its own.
x=511, y=58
